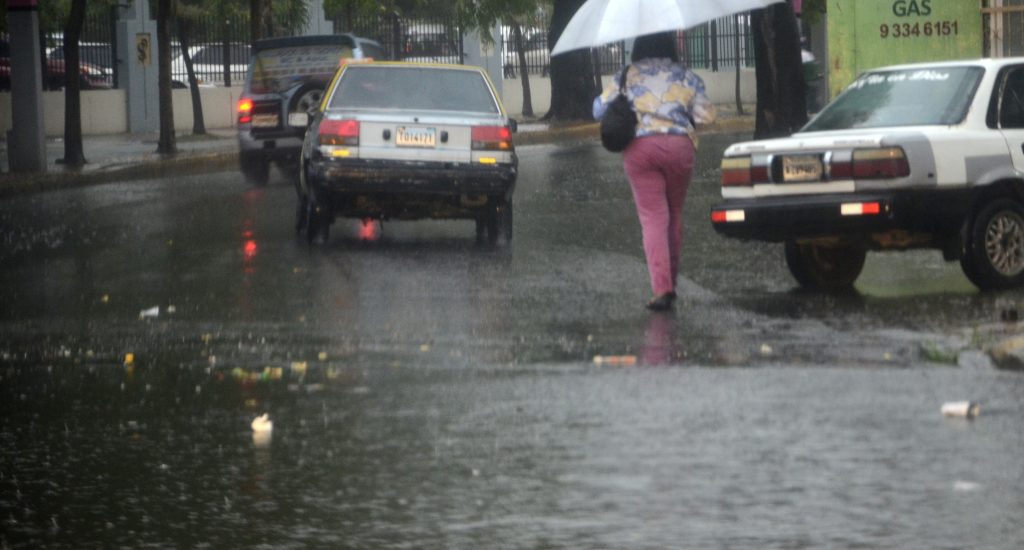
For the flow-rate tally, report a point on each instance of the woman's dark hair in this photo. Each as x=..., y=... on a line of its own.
x=662, y=44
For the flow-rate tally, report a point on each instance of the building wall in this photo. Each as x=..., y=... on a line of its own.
x=864, y=34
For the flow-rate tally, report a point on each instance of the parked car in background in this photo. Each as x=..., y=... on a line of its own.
x=430, y=46
x=95, y=58
x=92, y=77
x=912, y=156
x=409, y=141
x=535, y=45
x=208, y=63
x=288, y=75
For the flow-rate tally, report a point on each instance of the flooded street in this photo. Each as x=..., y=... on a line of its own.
x=429, y=392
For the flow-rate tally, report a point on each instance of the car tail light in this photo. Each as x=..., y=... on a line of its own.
x=736, y=172
x=339, y=132
x=890, y=162
x=491, y=138
x=886, y=163
x=244, y=110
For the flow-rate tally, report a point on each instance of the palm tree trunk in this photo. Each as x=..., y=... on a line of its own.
x=198, y=124
x=74, y=155
x=166, y=144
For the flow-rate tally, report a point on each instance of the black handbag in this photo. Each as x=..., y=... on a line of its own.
x=618, y=126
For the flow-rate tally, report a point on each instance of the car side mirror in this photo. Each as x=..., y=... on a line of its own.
x=513, y=125
x=298, y=120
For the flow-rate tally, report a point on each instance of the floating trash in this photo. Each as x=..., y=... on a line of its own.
x=262, y=424
x=150, y=313
x=623, y=360
x=961, y=409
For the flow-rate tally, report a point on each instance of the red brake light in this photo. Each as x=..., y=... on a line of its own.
x=493, y=138
x=244, y=110
x=339, y=132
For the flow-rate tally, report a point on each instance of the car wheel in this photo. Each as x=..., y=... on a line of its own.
x=302, y=202
x=307, y=100
x=256, y=169
x=498, y=222
x=825, y=267
x=318, y=217
x=994, y=246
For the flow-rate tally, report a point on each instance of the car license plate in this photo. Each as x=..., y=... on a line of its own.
x=801, y=168
x=416, y=137
x=264, y=120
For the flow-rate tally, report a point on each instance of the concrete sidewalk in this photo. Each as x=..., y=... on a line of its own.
x=122, y=157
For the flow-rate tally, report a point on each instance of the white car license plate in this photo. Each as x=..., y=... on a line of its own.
x=801, y=168
x=264, y=120
x=416, y=137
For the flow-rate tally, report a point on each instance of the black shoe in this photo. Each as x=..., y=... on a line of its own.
x=662, y=302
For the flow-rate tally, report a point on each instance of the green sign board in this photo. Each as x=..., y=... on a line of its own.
x=864, y=34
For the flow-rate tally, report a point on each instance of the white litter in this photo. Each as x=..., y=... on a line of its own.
x=262, y=424
x=961, y=409
x=151, y=312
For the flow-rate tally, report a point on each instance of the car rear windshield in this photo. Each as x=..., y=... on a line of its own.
x=911, y=97
x=413, y=88
x=279, y=69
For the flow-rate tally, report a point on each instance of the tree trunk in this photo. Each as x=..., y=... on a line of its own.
x=166, y=144
x=198, y=124
x=739, y=64
x=517, y=35
x=255, y=20
x=74, y=155
x=572, y=76
x=781, y=95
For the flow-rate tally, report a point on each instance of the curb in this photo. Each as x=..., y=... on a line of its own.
x=192, y=164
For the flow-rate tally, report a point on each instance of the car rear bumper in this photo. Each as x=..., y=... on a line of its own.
x=399, y=177
x=842, y=215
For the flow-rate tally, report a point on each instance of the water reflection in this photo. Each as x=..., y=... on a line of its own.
x=659, y=344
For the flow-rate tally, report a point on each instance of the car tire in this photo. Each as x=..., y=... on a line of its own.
x=318, y=218
x=256, y=169
x=306, y=100
x=825, y=267
x=499, y=222
x=994, y=246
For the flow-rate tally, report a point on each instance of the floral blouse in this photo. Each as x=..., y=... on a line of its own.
x=667, y=97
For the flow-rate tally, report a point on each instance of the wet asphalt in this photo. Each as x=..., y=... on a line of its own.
x=428, y=391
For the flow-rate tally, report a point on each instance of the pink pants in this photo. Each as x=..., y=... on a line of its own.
x=659, y=169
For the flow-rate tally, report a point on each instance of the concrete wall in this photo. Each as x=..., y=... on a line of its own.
x=105, y=111
x=721, y=89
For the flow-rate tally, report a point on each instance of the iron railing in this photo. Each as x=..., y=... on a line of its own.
x=220, y=45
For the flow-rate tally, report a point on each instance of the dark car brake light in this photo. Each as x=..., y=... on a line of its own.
x=491, y=138
x=339, y=132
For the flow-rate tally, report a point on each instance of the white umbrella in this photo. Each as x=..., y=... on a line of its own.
x=599, y=22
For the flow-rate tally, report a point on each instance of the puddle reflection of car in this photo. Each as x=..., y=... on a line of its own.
x=409, y=141
x=912, y=156
x=288, y=75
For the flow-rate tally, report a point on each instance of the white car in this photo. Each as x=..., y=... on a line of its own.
x=208, y=64
x=911, y=156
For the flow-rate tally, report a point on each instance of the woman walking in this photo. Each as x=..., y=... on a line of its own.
x=669, y=101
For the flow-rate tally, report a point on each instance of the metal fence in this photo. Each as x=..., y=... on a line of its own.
x=220, y=46
x=1003, y=23
x=438, y=40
